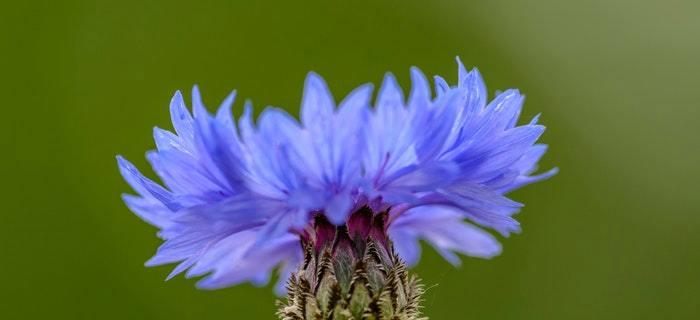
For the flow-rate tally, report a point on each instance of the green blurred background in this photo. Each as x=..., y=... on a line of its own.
x=613, y=236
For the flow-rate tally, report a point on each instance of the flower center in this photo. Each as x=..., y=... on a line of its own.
x=363, y=226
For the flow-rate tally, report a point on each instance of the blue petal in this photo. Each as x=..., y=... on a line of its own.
x=434, y=127
x=390, y=99
x=420, y=91
x=179, y=172
x=253, y=264
x=441, y=86
x=245, y=123
x=317, y=104
x=473, y=84
x=444, y=228
x=223, y=114
x=198, y=108
x=166, y=140
x=148, y=209
x=230, y=249
x=181, y=118
x=144, y=186
x=525, y=180
x=426, y=177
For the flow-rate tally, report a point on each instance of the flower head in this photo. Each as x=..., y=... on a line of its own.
x=237, y=197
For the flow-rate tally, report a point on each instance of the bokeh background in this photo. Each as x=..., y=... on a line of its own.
x=613, y=236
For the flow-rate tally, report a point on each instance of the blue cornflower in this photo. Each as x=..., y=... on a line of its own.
x=236, y=198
